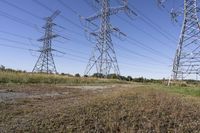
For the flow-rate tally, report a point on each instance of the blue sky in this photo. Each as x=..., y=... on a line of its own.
x=78, y=49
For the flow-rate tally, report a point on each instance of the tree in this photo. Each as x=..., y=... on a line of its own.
x=112, y=76
x=77, y=75
x=140, y=79
x=2, y=68
x=129, y=78
x=85, y=76
x=98, y=75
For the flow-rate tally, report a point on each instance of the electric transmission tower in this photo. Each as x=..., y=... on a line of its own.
x=187, y=58
x=186, y=64
x=103, y=58
x=45, y=62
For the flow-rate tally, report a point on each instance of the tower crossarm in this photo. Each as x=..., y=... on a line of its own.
x=117, y=30
x=54, y=15
x=112, y=11
x=125, y=9
x=47, y=38
x=98, y=15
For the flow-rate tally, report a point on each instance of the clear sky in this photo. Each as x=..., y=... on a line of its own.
x=149, y=53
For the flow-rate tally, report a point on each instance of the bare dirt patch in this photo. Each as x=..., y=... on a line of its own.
x=37, y=92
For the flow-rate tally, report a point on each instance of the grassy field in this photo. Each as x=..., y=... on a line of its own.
x=29, y=78
x=111, y=108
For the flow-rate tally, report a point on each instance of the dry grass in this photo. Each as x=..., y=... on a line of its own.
x=122, y=108
x=29, y=78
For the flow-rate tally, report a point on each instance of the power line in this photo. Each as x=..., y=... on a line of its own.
x=10, y=40
x=139, y=54
x=147, y=48
x=36, y=16
x=62, y=16
x=51, y=10
x=84, y=60
x=16, y=35
x=144, y=69
x=75, y=12
x=21, y=36
x=139, y=44
x=34, y=28
x=24, y=22
x=31, y=25
x=68, y=7
x=29, y=38
x=148, y=34
x=26, y=44
x=71, y=31
x=73, y=57
x=14, y=18
x=19, y=20
x=16, y=47
x=21, y=9
x=153, y=25
x=25, y=49
x=90, y=5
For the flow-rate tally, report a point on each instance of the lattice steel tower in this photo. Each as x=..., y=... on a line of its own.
x=187, y=59
x=104, y=57
x=45, y=62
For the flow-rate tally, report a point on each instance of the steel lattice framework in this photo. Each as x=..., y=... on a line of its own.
x=45, y=62
x=187, y=59
x=104, y=56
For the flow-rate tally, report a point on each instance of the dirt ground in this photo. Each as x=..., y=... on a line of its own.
x=111, y=108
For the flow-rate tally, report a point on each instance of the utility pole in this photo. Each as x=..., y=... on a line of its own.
x=45, y=62
x=104, y=58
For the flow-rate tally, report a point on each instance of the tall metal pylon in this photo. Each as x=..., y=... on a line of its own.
x=187, y=58
x=104, y=57
x=45, y=62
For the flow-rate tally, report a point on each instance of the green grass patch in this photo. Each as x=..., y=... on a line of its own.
x=193, y=91
x=185, y=90
x=29, y=78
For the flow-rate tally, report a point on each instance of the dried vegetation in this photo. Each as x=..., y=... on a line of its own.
x=119, y=108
